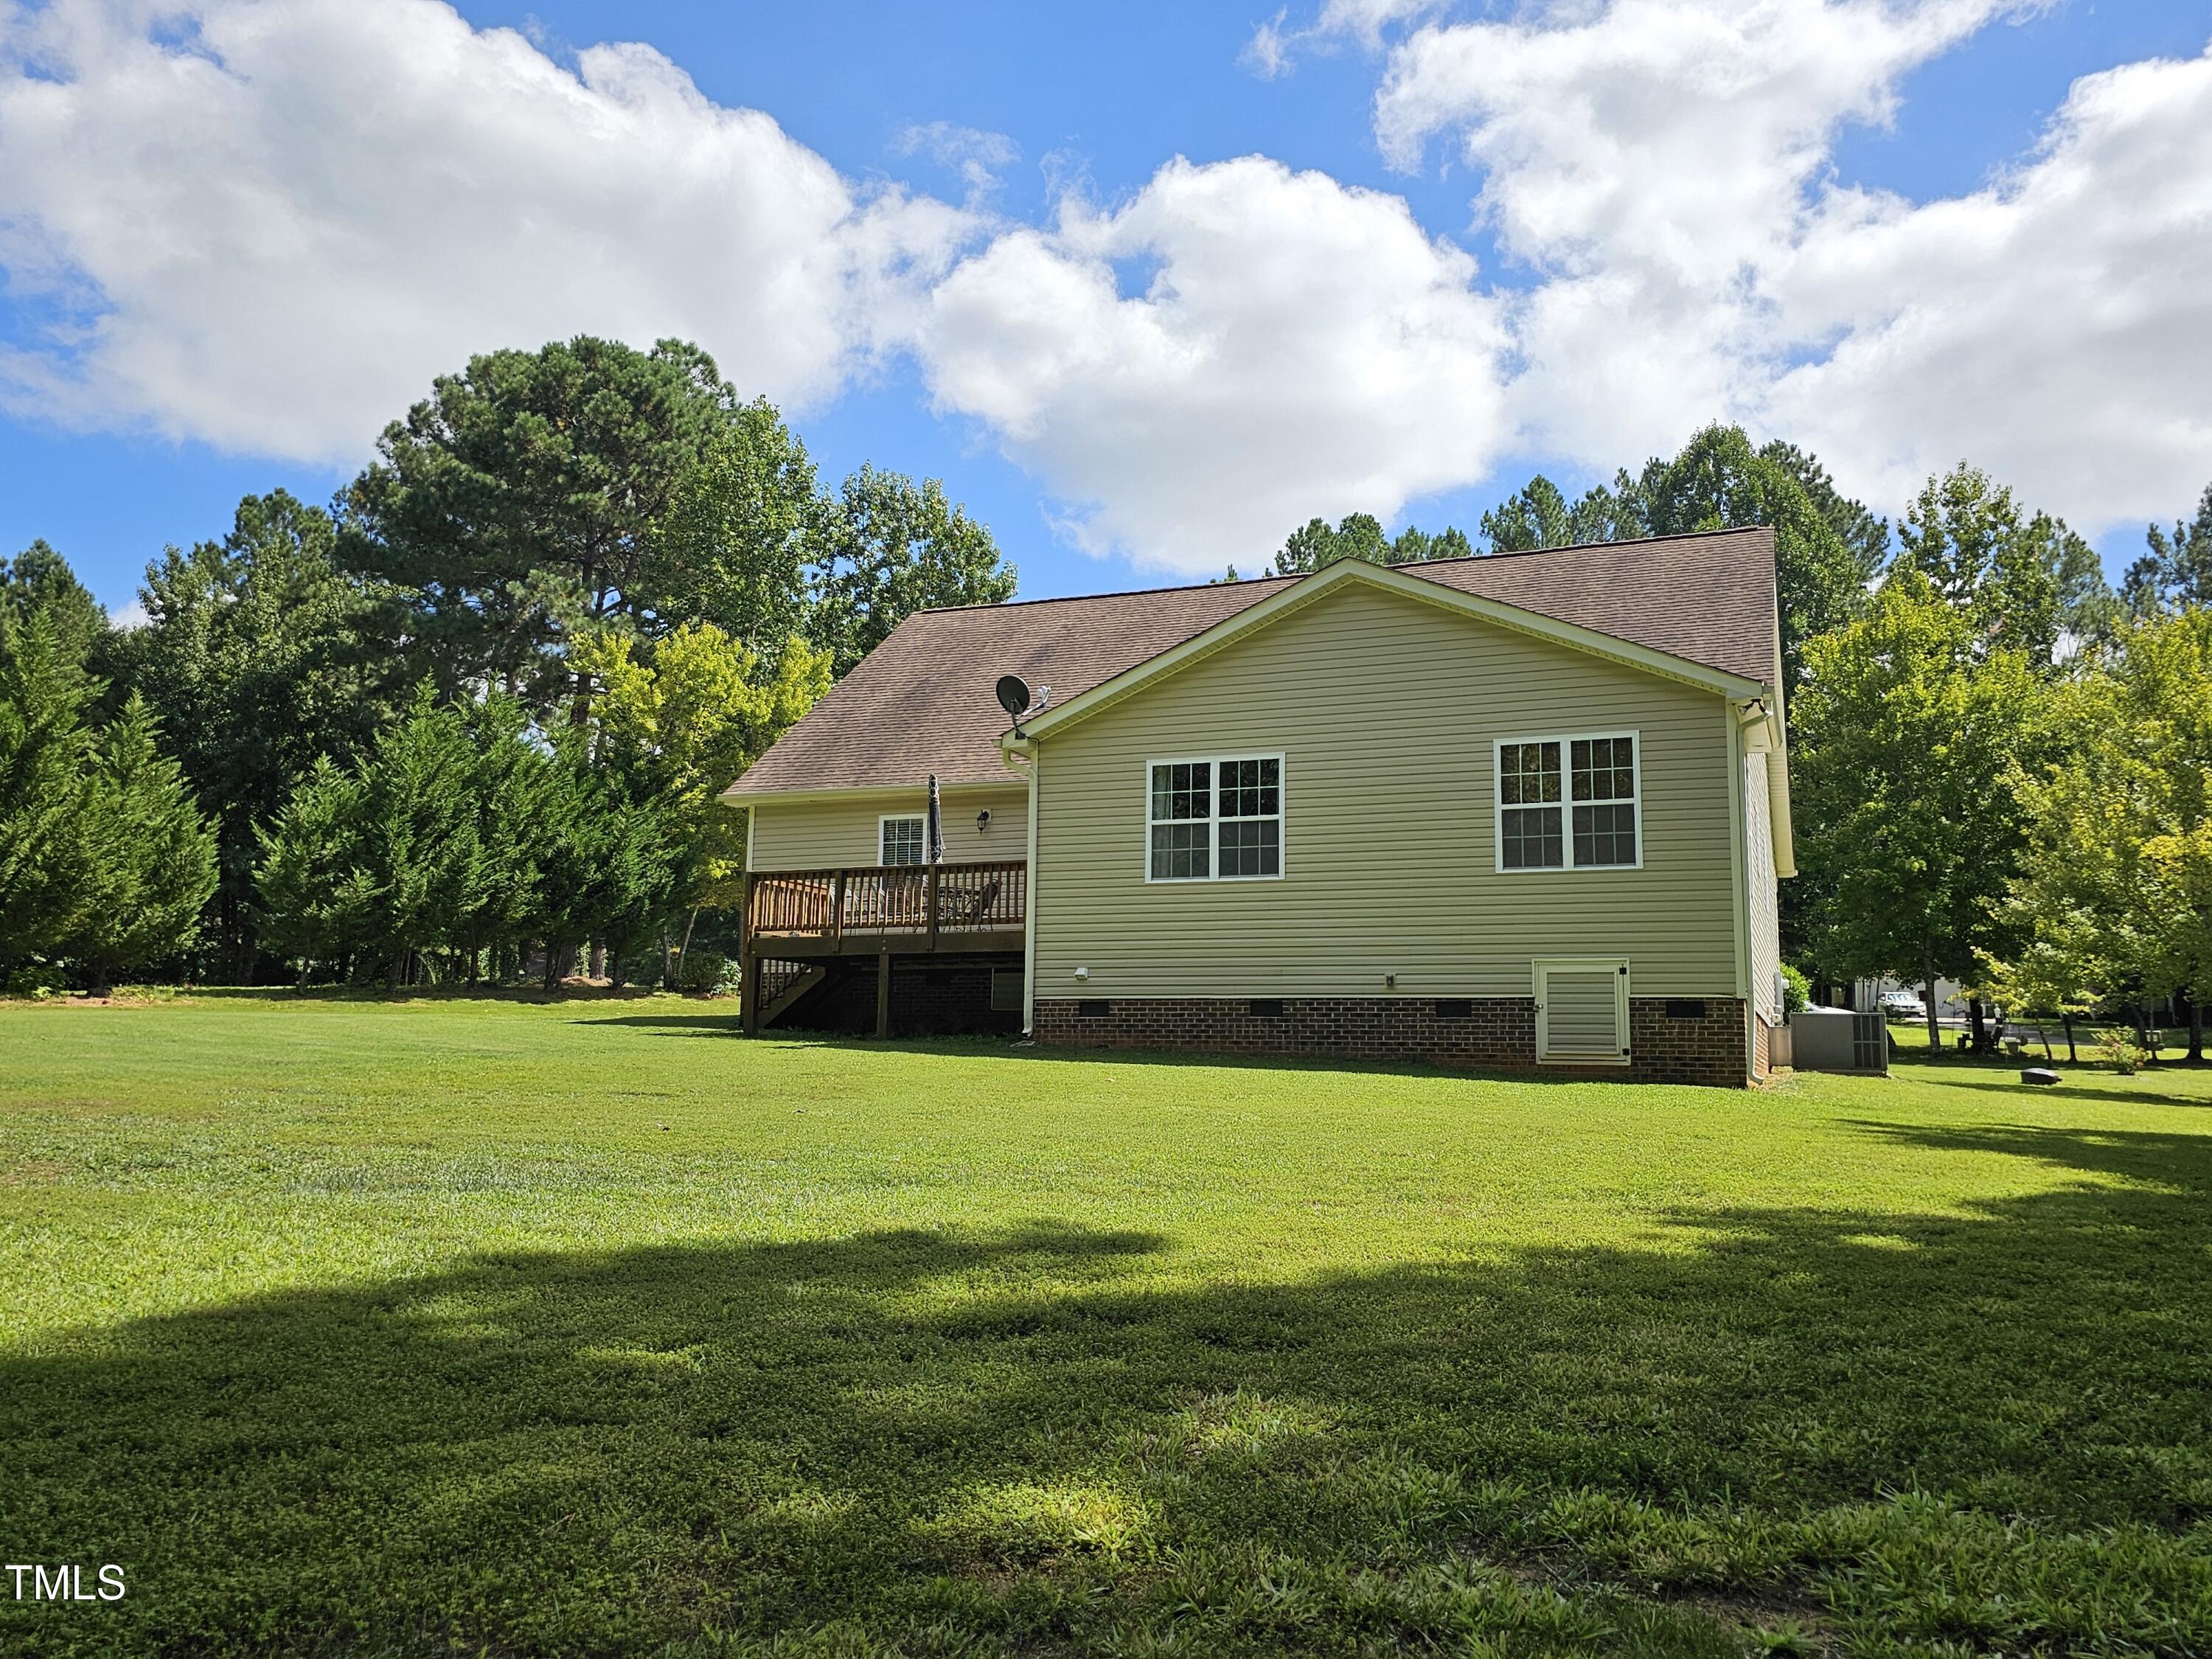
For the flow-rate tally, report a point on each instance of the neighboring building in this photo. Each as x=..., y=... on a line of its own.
x=1519, y=811
x=1950, y=995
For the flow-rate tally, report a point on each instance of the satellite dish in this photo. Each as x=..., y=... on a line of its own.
x=1013, y=696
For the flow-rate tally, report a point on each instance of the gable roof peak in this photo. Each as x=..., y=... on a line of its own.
x=922, y=701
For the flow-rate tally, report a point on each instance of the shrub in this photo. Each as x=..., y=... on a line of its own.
x=704, y=970
x=2117, y=1048
x=35, y=980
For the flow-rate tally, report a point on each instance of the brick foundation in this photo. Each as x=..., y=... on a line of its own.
x=1494, y=1033
x=1669, y=1049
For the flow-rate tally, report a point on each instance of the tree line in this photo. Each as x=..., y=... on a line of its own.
x=470, y=719
x=473, y=712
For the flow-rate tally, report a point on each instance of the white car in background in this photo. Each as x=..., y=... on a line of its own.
x=1902, y=1005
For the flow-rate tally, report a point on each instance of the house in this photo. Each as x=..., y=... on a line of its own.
x=1526, y=810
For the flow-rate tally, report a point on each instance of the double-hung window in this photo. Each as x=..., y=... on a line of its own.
x=1569, y=803
x=1215, y=820
x=901, y=841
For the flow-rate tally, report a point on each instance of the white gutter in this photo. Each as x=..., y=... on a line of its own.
x=734, y=796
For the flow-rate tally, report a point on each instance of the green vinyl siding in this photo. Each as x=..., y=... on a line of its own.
x=1386, y=711
x=839, y=829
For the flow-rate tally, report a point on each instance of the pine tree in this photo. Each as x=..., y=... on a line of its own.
x=257, y=656
x=154, y=863
x=47, y=756
x=2178, y=569
x=315, y=899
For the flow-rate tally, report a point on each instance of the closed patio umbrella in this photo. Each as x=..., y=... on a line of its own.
x=932, y=848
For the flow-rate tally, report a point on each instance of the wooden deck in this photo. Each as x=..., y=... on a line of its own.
x=798, y=916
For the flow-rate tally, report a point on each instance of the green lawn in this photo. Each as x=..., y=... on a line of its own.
x=584, y=1328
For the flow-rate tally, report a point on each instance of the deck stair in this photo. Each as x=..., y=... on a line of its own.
x=783, y=983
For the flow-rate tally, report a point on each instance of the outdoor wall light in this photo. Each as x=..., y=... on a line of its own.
x=982, y=820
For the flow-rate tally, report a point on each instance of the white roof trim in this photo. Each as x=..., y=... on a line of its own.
x=734, y=796
x=1310, y=588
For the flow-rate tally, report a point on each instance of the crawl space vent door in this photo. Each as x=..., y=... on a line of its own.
x=1582, y=1011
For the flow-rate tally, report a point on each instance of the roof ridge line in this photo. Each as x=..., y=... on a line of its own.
x=1300, y=575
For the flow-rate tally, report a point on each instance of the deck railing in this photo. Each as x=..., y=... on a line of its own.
x=906, y=899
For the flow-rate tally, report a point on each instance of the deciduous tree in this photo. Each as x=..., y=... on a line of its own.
x=2118, y=872
x=886, y=547
x=681, y=726
x=1908, y=733
x=734, y=547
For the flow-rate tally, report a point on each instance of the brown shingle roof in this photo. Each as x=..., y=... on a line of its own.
x=922, y=701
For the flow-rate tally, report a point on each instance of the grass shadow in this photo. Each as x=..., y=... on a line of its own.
x=2156, y=1160
x=2134, y=1093
x=533, y=995
x=729, y=1024
x=1007, y=1048
x=1047, y=1438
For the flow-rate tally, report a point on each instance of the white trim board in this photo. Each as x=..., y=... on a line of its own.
x=736, y=796
x=1346, y=572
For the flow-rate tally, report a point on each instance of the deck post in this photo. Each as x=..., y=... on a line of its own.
x=837, y=911
x=933, y=907
x=749, y=965
x=884, y=993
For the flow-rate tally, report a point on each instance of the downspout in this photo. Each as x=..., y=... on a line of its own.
x=1757, y=731
x=1022, y=752
x=1739, y=877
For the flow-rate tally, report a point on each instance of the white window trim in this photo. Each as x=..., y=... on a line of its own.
x=921, y=818
x=1540, y=970
x=1565, y=740
x=1212, y=819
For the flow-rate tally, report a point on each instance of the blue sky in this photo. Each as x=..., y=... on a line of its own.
x=1350, y=329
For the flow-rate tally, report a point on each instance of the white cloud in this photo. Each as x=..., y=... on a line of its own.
x=1289, y=346
x=1650, y=161
x=2056, y=326
x=977, y=157
x=267, y=225
x=1275, y=44
x=1665, y=170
